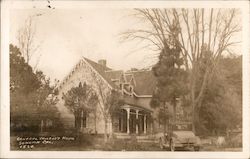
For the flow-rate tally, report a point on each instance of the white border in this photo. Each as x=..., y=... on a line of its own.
x=5, y=122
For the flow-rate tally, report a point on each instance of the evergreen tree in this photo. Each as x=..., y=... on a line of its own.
x=28, y=94
x=222, y=96
x=171, y=80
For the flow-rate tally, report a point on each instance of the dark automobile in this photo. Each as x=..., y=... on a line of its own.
x=181, y=137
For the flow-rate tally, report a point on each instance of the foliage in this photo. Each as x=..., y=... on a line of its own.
x=22, y=78
x=198, y=30
x=113, y=102
x=232, y=70
x=170, y=76
x=28, y=94
x=171, y=79
x=222, y=96
x=110, y=102
x=80, y=99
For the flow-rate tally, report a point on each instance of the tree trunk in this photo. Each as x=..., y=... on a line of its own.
x=169, y=126
x=75, y=114
x=197, y=101
x=95, y=122
x=192, y=90
x=75, y=122
x=112, y=127
x=164, y=125
x=105, y=130
x=77, y=128
x=164, y=119
x=193, y=118
x=42, y=123
x=196, y=118
x=174, y=109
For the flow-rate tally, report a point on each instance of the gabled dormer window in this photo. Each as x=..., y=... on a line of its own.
x=130, y=88
x=132, y=81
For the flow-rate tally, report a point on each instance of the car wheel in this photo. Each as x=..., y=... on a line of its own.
x=171, y=145
x=161, y=143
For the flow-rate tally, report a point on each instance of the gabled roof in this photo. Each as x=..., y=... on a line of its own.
x=97, y=66
x=114, y=74
x=102, y=71
x=144, y=79
x=137, y=102
x=128, y=77
x=145, y=82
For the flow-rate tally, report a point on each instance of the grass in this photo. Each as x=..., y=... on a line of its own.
x=88, y=142
x=130, y=145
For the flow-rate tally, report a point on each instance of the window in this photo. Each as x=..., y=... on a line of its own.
x=84, y=121
x=130, y=88
x=121, y=86
x=49, y=123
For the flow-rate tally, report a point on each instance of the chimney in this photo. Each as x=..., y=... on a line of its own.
x=102, y=62
x=133, y=69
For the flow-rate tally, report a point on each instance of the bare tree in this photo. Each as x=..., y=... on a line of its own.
x=26, y=40
x=110, y=102
x=201, y=32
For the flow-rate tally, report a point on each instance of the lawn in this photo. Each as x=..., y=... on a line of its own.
x=81, y=143
x=86, y=142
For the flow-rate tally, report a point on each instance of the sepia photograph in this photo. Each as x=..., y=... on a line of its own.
x=125, y=77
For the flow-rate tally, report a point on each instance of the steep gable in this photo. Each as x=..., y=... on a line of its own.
x=145, y=82
x=114, y=74
x=102, y=71
x=85, y=71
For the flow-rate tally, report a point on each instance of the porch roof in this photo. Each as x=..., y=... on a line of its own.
x=131, y=103
x=142, y=103
x=135, y=107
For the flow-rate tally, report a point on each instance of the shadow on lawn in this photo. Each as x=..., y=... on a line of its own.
x=83, y=142
x=88, y=142
x=130, y=145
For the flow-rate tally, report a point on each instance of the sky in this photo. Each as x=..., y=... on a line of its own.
x=65, y=36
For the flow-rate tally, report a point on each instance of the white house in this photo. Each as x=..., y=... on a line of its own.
x=136, y=115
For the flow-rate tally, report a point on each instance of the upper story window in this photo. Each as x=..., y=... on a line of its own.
x=130, y=88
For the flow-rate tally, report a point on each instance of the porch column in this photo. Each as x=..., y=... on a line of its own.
x=128, y=113
x=152, y=122
x=136, y=126
x=145, y=124
x=81, y=121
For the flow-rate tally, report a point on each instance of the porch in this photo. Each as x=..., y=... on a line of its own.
x=133, y=120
